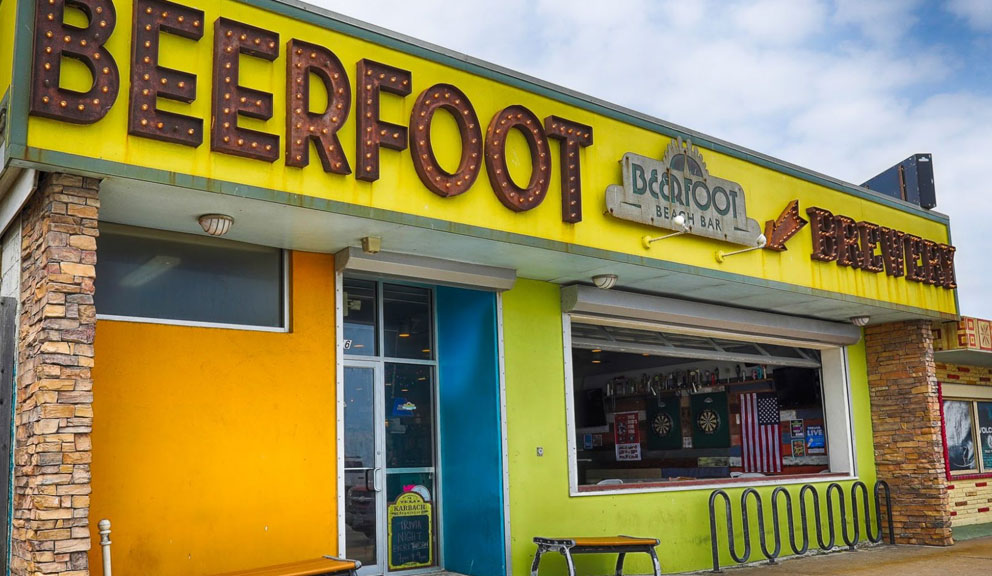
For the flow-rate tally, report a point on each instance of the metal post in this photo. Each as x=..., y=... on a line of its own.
x=843, y=515
x=104, y=526
x=888, y=509
x=761, y=525
x=863, y=489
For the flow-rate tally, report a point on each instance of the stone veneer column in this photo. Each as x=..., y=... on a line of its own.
x=905, y=416
x=54, y=414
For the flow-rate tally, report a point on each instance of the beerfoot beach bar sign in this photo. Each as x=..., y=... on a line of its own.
x=656, y=192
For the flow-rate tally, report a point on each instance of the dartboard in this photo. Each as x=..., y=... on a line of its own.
x=708, y=421
x=662, y=424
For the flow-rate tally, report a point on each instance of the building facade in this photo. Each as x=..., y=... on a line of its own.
x=279, y=284
x=964, y=357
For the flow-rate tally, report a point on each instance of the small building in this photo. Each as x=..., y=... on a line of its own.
x=964, y=368
x=280, y=284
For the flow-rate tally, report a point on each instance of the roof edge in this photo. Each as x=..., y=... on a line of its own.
x=417, y=47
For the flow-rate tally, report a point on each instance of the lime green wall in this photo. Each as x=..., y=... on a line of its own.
x=540, y=504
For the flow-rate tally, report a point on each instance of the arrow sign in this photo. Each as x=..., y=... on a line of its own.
x=779, y=231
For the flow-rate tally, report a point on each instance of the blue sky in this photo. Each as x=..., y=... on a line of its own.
x=844, y=87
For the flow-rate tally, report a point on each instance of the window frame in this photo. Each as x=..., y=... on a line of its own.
x=838, y=424
x=285, y=264
x=980, y=470
x=379, y=360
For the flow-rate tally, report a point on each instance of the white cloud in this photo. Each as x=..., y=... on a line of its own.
x=842, y=87
x=778, y=22
x=881, y=21
x=978, y=13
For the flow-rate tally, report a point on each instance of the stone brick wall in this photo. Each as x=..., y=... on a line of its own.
x=956, y=374
x=970, y=501
x=905, y=414
x=54, y=415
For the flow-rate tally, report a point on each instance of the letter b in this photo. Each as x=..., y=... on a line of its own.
x=55, y=39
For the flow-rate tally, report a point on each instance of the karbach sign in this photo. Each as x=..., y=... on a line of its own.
x=55, y=39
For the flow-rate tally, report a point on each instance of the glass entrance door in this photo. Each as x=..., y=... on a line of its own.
x=363, y=465
x=390, y=427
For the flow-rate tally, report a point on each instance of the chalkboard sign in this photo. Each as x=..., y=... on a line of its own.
x=411, y=542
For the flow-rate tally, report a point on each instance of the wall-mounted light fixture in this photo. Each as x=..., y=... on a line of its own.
x=215, y=224
x=678, y=223
x=761, y=241
x=605, y=281
x=860, y=321
x=371, y=244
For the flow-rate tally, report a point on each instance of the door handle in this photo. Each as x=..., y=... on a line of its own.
x=376, y=482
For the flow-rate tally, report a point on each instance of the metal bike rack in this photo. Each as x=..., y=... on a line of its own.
x=851, y=540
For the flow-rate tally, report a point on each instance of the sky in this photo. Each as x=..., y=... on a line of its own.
x=843, y=87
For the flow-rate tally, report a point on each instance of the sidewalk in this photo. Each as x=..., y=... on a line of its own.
x=967, y=557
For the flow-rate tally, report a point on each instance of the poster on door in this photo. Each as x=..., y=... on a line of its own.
x=985, y=433
x=626, y=436
x=409, y=530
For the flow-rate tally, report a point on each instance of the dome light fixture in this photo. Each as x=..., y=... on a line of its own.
x=605, y=281
x=860, y=321
x=216, y=224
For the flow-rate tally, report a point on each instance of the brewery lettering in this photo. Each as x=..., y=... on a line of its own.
x=868, y=246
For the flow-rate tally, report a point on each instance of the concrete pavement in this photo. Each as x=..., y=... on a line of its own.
x=967, y=557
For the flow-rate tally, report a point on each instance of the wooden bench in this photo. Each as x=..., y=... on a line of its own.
x=325, y=566
x=619, y=545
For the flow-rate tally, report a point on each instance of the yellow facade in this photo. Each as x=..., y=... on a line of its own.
x=215, y=448
x=7, y=15
x=400, y=190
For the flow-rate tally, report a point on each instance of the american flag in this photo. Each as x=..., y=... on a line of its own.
x=762, y=443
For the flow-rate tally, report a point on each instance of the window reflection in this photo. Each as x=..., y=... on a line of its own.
x=360, y=516
x=359, y=317
x=409, y=416
x=145, y=273
x=685, y=407
x=407, y=322
x=959, y=429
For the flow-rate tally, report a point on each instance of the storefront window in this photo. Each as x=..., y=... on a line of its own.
x=968, y=435
x=154, y=275
x=410, y=415
x=653, y=406
x=360, y=318
x=407, y=321
x=984, y=410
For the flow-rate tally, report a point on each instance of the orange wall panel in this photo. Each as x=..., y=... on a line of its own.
x=214, y=449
